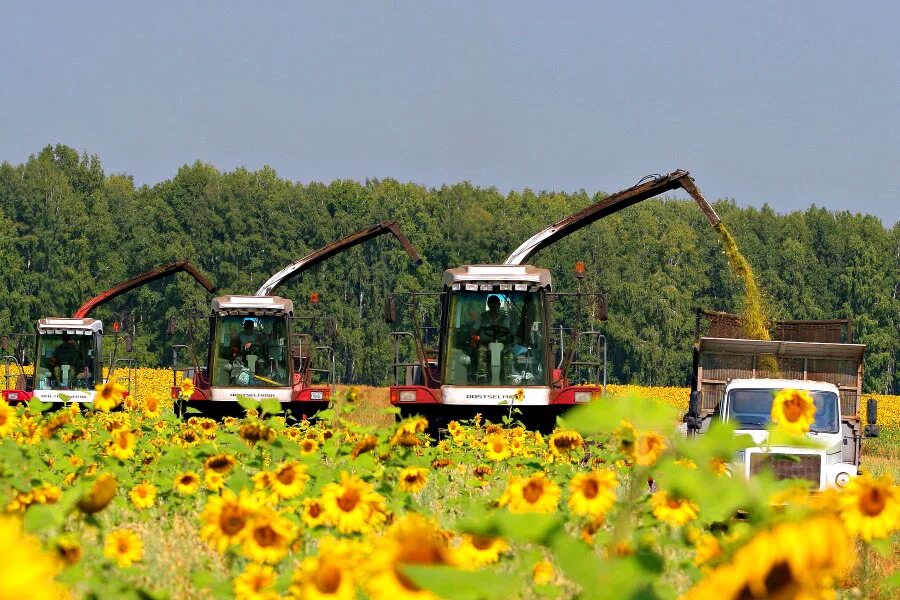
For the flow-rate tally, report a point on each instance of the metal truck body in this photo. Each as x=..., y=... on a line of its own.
x=735, y=379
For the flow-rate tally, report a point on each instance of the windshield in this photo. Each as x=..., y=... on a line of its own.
x=250, y=352
x=495, y=339
x=753, y=408
x=65, y=361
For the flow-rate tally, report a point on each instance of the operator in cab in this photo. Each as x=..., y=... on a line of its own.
x=492, y=324
x=68, y=353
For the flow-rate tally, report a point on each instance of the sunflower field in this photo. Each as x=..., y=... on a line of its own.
x=136, y=503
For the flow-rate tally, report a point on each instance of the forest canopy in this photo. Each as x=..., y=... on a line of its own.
x=68, y=230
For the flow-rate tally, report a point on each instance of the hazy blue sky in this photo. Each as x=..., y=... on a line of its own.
x=788, y=103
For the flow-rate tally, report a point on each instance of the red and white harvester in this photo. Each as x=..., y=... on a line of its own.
x=258, y=347
x=68, y=351
x=494, y=344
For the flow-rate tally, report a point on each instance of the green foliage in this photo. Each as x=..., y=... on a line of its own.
x=68, y=231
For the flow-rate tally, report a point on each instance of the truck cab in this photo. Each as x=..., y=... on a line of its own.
x=748, y=404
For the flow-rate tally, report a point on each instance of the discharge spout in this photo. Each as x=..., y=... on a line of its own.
x=609, y=205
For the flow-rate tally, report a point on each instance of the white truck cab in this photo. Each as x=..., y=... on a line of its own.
x=748, y=404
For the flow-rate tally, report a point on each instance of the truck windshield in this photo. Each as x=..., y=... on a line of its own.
x=64, y=361
x=753, y=408
x=495, y=339
x=250, y=351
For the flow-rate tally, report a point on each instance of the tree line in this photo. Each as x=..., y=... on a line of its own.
x=69, y=230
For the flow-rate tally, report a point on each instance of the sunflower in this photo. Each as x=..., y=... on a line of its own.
x=647, y=448
x=151, y=407
x=100, y=494
x=412, y=479
x=226, y=517
x=706, y=547
x=187, y=483
x=256, y=582
x=143, y=495
x=122, y=444
x=213, y=480
x=269, y=535
x=405, y=434
x=535, y=494
x=799, y=560
x=672, y=509
x=564, y=442
x=542, y=573
x=187, y=388
x=123, y=546
x=27, y=571
x=352, y=505
x=308, y=446
x=592, y=493
x=8, y=419
x=220, y=463
x=289, y=479
x=719, y=466
x=870, y=507
x=312, y=513
x=476, y=551
x=482, y=471
x=413, y=540
x=366, y=444
x=108, y=396
x=68, y=550
x=327, y=576
x=253, y=432
x=496, y=447
x=793, y=411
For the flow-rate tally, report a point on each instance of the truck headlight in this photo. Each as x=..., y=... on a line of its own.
x=842, y=479
x=582, y=397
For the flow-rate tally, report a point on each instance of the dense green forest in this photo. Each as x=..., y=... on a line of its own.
x=69, y=230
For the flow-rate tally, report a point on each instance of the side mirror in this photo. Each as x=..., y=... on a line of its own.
x=693, y=415
x=603, y=309
x=170, y=328
x=4, y=343
x=390, y=309
x=129, y=343
x=872, y=429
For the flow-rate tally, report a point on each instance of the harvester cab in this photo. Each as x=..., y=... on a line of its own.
x=68, y=351
x=494, y=349
x=260, y=349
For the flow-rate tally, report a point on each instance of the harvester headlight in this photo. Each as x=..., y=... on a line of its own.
x=842, y=479
x=583, y=396
x=407, y=395
x=13, y=396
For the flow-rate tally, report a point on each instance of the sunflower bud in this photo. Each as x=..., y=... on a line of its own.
x=100, y=495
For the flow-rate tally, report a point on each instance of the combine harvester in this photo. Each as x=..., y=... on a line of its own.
x=68, y=351
x=735, y=379
x=494, y=347
x=256, y=349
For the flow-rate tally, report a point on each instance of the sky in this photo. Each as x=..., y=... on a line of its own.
x=788, y=104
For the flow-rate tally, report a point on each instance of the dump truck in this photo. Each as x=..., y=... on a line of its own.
x=259, y=348
x=68, y=360
x=494, y=348
x=735, y=379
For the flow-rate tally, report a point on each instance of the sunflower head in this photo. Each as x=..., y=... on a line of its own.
x=793, y=411
x=123, y=546
x=100, y=494
x=870, y=507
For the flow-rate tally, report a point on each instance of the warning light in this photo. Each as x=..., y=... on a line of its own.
x=314, y=297
x=116, y=326
x=579, y=269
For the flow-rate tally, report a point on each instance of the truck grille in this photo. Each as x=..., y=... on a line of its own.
x=784, y=466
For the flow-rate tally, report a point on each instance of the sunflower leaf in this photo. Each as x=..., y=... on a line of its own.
x=455, y=584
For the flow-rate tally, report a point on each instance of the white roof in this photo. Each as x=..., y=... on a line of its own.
x=246, y=305
x=498, y=273
x=67, y=325
x=781, y=384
